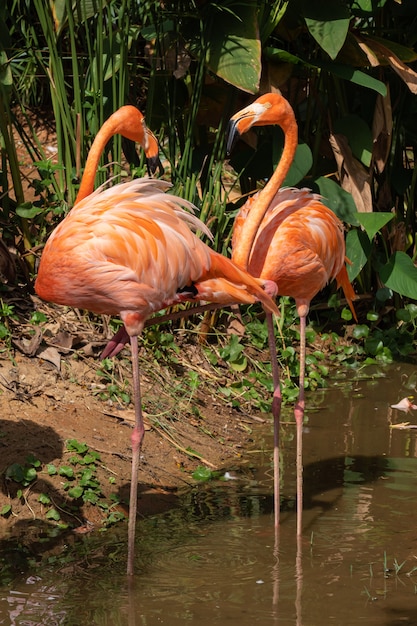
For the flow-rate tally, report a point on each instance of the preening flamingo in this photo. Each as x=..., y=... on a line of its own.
x=129, y=122
x=129, y=250
x=290, y=238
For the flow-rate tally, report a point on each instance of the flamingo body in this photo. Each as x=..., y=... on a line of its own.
x=299, y=246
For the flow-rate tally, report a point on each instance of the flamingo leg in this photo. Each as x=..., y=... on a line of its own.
x=276, y=411
x=299, y=417
x=137, y=436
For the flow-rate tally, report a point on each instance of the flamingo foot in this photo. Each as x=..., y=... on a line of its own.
x=115, y=344
x=270, y=288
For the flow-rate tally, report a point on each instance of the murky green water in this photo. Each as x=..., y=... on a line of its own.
x=216, y=560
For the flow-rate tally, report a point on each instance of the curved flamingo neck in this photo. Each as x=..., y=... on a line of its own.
x=128, y=121
x=93, y=159
x=263, y=198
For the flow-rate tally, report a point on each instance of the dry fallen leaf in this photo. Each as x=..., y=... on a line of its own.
x=30, y=345
x=378, y=54
x=51, y=355
x=382, y=130
x=353, y=176
x=62, y=341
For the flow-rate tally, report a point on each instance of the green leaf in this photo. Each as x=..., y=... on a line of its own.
x=66, y=470
x=28, y=210
x=202, y=474
x=383, y=294
x=86, y=476
x=73, y=444
x=29, y=474
x=90, y=496
x=240, y=364
x=15, y=472
x=360, y=331
x=358, y=250
x=31, y=459
x=76, y=492
x=359, y=136
x=276, y=54
x=327, y=22
x=367, y=6
x=6, y=77
x=5, y=509
x=354, y=76
x=400, y=274
x=300, y=166
x=373, y=222
x=346, y=314
x=329, y=34
x=338, y=200
x=233, y=45
x=347, y=72
x=53, y=514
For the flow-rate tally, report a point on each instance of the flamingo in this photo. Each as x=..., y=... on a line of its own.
x=129, y=122
x=293, y=241
x=130, y=250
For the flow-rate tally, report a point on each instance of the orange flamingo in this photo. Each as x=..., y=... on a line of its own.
x=291, y=239
x=129, y=122
x=129, y=250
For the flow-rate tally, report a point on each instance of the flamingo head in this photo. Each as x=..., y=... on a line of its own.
x=129, y=122
x=268, y=109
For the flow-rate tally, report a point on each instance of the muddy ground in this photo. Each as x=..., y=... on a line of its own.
x=50, y=388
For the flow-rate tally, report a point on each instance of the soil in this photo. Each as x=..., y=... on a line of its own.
x=50, y=389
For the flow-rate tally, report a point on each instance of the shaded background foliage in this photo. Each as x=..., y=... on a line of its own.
x=347, y=67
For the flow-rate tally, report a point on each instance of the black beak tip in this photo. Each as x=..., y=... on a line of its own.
x=232, y=136
x=153, y=164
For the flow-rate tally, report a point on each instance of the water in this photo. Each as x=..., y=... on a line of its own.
x=216, y=560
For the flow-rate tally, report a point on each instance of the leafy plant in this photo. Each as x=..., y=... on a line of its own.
x=7, y=314
x=82, y=482
x=24, y=474
x=114, y=388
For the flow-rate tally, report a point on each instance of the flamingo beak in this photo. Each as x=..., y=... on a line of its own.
x=232, y=134
x=153, y=164
x=152, y=154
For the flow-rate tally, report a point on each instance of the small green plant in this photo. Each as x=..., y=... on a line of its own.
x=6, y=315
x=24, y=474
x=233, y=353
x=6, y=510
x=204, y=474
x=38, y=317
x=162, y=345
x=82, y=482
x=114, y=388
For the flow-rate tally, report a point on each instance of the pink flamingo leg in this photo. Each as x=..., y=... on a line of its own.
x=299, y=417
x=276, y=411
x=137, y=436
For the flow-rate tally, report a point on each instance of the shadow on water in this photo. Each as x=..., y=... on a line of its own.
x=216, y=559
